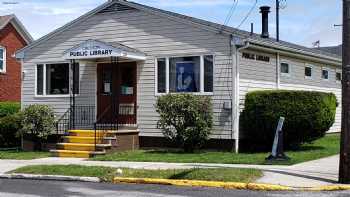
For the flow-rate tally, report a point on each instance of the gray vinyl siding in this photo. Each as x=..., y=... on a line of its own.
x=256, y=75
x=157, y=37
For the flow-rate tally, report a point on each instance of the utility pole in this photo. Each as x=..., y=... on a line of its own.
x=278, y=20
x=280, y=4
x=344, y=166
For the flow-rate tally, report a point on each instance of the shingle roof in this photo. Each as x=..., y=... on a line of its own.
x=333, y=49
x=5, y=19
x=232, y=30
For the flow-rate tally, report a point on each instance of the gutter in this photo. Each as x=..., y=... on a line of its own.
x=238, y=44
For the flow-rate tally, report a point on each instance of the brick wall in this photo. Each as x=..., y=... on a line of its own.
x=10, y=82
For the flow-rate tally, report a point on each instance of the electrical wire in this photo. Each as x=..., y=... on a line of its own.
x=230, y=13
x=248, y=14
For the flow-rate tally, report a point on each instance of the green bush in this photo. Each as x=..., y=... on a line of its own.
x=185, y=119
x=308, y=115
x=8, y=108
x=9, y=127
x=38, y=122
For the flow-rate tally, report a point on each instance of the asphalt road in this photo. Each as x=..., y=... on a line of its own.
x=34, y=188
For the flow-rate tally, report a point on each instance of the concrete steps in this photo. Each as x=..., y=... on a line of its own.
x=81, y=143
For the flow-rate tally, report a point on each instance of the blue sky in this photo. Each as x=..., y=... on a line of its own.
x=302, y=21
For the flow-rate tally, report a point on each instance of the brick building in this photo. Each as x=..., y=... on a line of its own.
x=13, y=36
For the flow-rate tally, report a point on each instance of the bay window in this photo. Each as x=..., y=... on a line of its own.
x=188, y=74
x=53, y=79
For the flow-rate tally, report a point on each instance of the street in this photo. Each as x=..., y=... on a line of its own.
x=32, y=188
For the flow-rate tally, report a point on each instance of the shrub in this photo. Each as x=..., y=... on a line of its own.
x=9, y=127
x=185, y=119
x=8, y=108
x=38, y=122
x=308, y=115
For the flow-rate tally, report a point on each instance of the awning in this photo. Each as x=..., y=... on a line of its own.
x=94, y=49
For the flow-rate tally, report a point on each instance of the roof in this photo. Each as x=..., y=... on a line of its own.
x=338, y=50
x=6, y=19
x=218, y=28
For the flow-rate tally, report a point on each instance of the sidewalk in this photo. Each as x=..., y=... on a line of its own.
x=309, y=174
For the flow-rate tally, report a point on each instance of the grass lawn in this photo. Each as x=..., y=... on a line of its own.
x=22, y=155
x=107, y=173
x=327, y=146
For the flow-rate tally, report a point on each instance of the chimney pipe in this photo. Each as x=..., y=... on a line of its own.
x=265, y=10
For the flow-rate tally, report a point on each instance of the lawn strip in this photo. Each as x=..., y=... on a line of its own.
x=324, y=147
x=22, y=155
x=107, y=173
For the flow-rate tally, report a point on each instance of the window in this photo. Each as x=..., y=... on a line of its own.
x=208, y=73
x=285, y=69
x=308, y=72
x=338, y=76
x=161, y=75
x=53, y=79
x=2, y=59
x=40, y=79
x=325, y=74
x=185, y=74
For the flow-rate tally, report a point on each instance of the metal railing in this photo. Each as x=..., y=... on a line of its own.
x=104, y=123
x=63, y=124
x=84, y=116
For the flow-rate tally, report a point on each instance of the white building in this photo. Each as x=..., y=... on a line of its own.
x=123, y=55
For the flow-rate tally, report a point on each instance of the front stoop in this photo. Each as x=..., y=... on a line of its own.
x=81, y=143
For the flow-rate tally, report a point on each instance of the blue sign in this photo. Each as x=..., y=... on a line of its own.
x=185, y=80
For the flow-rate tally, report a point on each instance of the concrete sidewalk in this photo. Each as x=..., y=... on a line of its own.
x=309, y=174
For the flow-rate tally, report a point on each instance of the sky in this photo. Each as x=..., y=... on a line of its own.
x=301, y=21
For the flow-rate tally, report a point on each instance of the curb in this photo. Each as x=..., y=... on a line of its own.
x=330, y=188
x=50, y=177
x=195, y=183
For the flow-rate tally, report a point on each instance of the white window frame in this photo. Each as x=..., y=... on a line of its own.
x=326, y=69
x=3, y=70
x=289, y=69
x=341, y=75
x=44, y=95
x=167, y=70
x=312, y=71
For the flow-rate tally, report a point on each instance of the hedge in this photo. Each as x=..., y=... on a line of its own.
x=8, y=108
x=9, y=127
x=308, y=116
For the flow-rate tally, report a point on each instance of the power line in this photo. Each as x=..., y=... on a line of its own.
x=248, y=14
x=230, y=13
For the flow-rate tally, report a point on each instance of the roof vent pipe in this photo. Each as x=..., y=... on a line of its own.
x=265, y=10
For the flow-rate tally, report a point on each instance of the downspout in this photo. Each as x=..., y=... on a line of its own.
x=236, y=89
x=278, y=77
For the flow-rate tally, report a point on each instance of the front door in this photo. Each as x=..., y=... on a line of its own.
x=116, y=93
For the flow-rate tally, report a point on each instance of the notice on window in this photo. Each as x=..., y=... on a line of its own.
x=107, y=87
x=185, y=81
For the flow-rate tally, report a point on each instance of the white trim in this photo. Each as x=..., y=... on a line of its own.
x=312, y=72
x=341, y=75
x=278, y=70
x=4, y=57
x=167, y=72
x=289, y=69
x=45, y=95
x=201, y=73
x=328, y=71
